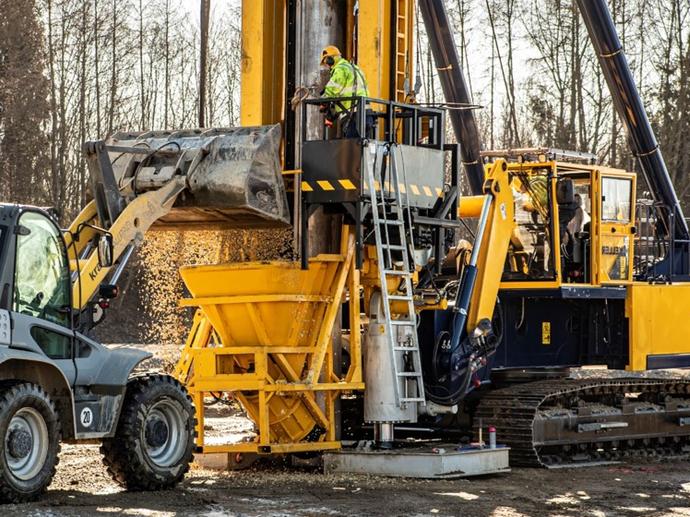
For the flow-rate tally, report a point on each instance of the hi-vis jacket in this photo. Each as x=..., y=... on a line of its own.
x=347, y=80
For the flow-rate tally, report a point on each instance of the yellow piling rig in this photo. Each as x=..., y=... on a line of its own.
x=263, y=332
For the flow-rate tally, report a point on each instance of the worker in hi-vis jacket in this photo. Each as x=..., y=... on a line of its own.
x=345, y=80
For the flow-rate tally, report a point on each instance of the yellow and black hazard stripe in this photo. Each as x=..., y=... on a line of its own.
x=344, y=184
x=327, y=186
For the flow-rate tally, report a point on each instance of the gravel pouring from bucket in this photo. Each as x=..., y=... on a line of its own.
x=233, y=176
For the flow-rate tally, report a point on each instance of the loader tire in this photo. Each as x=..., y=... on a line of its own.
x=154, y=441
x=30, y=431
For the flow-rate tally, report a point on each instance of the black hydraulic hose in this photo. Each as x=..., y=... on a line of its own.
x=626, y=99
x=455, y=89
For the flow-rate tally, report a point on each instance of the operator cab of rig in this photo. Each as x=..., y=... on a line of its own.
x=558, y=197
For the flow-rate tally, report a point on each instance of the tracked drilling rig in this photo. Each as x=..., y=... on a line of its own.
x=389, y=324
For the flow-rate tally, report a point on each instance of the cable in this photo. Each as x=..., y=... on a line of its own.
x=522, y=315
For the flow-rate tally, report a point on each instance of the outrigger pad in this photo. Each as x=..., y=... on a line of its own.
x=234, y=177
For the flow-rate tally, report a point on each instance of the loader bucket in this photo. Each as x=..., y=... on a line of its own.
x=273, y=321
x=234, y=175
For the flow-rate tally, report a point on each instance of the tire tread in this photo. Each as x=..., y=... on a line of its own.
x=10, y=391
x=117, y=451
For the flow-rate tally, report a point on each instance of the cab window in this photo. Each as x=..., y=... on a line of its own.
x=530, y=250
x=41, y=281
x=615, y=201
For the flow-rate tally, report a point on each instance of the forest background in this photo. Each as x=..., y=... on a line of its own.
x=74, y=70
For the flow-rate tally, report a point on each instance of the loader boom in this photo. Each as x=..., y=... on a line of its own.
x=229, y=177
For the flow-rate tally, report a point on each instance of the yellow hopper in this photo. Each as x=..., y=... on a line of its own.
x=264, y=332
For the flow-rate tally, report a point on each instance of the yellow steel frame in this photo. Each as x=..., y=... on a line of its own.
x=198, y=365
x=263, y=59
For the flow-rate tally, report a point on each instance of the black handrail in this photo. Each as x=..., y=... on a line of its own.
x=403, y=122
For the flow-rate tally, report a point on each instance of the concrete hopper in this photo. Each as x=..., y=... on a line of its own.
x=273, y=324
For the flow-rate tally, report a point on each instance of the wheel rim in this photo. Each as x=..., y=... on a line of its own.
x=26, y=443
x=164, y=433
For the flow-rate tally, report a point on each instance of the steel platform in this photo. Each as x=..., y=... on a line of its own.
x=438, y=462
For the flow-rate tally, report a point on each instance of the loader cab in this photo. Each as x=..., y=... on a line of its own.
x=36, y=284
x=42, y=286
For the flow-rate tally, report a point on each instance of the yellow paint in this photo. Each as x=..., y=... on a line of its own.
x=325, y=185
x=658, y=321
x=347, y=184
x=470, y=206
x=414, y=189
x=427, y=191
x=494, y=246
x=306, y=187
x=263, y=55
x=545, y=332
x=613, y=241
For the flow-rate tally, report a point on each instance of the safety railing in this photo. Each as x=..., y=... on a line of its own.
x=654, y=246
x=375, y=119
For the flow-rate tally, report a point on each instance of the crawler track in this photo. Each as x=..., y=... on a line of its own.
x=571, y=422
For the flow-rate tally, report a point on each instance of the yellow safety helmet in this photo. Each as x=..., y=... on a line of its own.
x=329, y=51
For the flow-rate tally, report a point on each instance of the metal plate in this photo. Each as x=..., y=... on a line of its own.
x=419, y=462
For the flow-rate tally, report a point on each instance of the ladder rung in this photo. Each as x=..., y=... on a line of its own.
x=404, y=323
x=409, y=374
x=400, y=298
x=393, y=247
x=396, y=272
x=415, y=399
x=405, y=349
x=392, y=222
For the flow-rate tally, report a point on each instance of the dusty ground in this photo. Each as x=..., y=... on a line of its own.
x=82, y=487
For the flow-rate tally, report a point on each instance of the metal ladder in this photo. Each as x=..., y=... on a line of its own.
x=400, y=343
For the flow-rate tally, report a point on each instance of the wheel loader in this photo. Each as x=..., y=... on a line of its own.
x=59, y=385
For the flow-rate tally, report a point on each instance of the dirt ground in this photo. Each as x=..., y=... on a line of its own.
x=82, y=487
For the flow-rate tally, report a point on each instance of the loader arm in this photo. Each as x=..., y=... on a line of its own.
x=493, y=247
x=127, y=230
x=468, y=339
x=230, y=177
